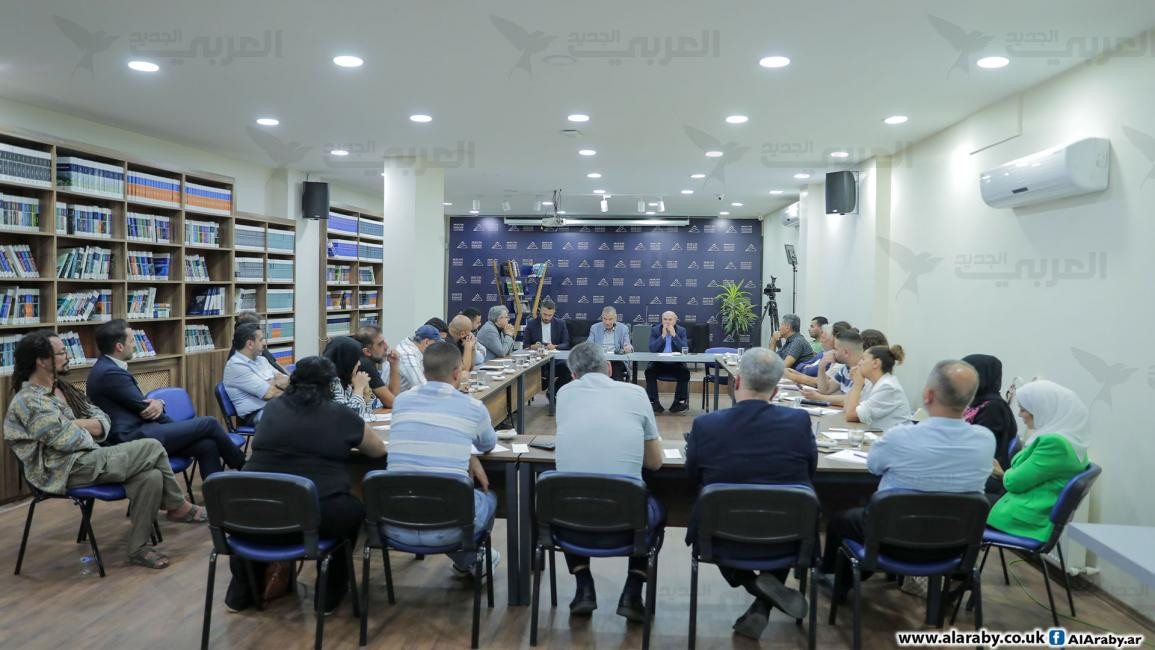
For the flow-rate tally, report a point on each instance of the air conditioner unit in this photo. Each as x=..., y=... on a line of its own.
x=789, y=216
x=1078, y=168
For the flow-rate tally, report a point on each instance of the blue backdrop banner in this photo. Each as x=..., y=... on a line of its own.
x=642, y=271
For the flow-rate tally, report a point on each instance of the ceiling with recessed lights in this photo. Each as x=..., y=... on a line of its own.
x=655, y=89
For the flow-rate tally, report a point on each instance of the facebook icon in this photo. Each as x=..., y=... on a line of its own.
x=1056, y=636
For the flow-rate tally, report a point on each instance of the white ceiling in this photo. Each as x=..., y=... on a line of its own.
x=498, y=115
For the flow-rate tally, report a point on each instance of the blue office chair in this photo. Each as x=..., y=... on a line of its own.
x=710, y=377
x=736, y=520
x=422, y=501
x=178, y=405
x=902, y=520
x=1068, y=502
x=616, y=508
x=239, y=433
x=290, y=367
x=243, y=506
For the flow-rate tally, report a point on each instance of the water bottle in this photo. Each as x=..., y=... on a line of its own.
x=87, y=564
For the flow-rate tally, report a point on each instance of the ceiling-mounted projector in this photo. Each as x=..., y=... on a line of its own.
x=552, y=222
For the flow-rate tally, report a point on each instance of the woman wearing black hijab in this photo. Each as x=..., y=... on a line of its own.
x=990, y=410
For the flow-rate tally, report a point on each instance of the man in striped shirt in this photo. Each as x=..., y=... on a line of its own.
x=434, y=429
x=409, y=353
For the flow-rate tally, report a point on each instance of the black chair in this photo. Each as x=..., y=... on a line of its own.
x=419, y=502
x=1068, y=502
x=757, y=516
x=256, y=504
x=903, y=520
x=612, y=506
x=239, y=433
x=178, y=406
x=712, y=375
x=1013, y=446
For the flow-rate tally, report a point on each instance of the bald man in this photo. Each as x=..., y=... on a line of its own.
x=668, y=337
x=461, y=333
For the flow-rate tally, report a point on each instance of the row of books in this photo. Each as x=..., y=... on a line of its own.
x=159, y=189
x=18, y=212
x=87, y=220
x=366, y=275
x=81, y=306
x=342, y=299
x=202, y=233
x=74, y=348
x=198, y=337
x=249, y=268
x=249, y=237
x=147, y=265
x=342, y=224
x=370, y=252
x=279, y=300
x=281, y=241
x=205, y=197
x=84, y=263
x=141, y=344
x=75, y=173
x=25, y=165
x=339, y=274
x=149, y=227
x=371, y=228
x=19, y=306
x=208, y=302
x=8, y=353
x=279, y=329
x=142, y=304
x=196, y=269
x=283, y=354
x=338, y=325
x=17, y=261
x=245, y=300
x=370, y=318
x=342, y=248
x=366, y=299
x=280, y=270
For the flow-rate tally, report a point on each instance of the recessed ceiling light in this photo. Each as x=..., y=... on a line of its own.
x=714, y=154
x=578, y=117
x=599, y=191
x=723, y=213
x=737, y=119
x=839, y=154
x=421, y=118
x=348, y=61
x=735, y=205
x=774, y=61
x=697, y=176
x=993, y=62
x=268, y=121
x=561, y=211
x=593, y=175
x=802, y=176
x=587, y=152
x=653, y=204
x=338, y=152
x=446, y=203
x=650, y=213
x=475, y=212
x=896, y=119
x=687, y=191
x=143, y=66
x=775, y=192
x=547, y=202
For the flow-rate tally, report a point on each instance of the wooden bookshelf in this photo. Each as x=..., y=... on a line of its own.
x=344, y=296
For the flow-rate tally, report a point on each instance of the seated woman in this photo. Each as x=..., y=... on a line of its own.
x=884, y=404
x=351, y=382
x=989, y=409
x=1054, y=454
x=304, y=432
x=806, y=372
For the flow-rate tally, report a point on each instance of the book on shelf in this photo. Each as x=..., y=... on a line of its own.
x=141, y=344
x=282, y=353
x=366, y=299
x=248, y=237
x=83, y=263
x=245, y=300
x=371, y=228
x=197, y=338
x=147, y=265
x=342, y=248
x=369, y=319
x=342, y=299
x=82, y=306
x=19, y=306
x=202, y=233
x=76, y=173
x=24, y=165
x=338, y=325
x=74, y=348
x=86, y=220
x=279, y=328
x=342, y=224
x=148, y=227
x=370, y=252
x=205, y=197
x=141, y=303
x=8, y=352
x=281, y=241
x=279, y=300
x=249, y=268
x=366, y=275
x=339, y=274
x=208, y=302
x=196, y=269
x=17, y=261
x=150, y=187
x=280, y=270
x=19, y=212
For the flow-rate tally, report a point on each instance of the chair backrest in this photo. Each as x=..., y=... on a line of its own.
x=418, y=501
x=925, y=521
x=226, y=404
x=1068, y=502
x=592, y=503
x=758, y=514
x=177, y=403
x=262, y=503
x=722, y=350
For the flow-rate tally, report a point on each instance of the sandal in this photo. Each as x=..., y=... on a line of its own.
x=194, y=515
x=148, y=557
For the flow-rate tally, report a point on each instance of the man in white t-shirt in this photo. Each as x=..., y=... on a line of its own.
x=834, y=380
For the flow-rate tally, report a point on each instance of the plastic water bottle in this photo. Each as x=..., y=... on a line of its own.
x=87, y=565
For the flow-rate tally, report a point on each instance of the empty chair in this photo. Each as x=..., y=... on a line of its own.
x=712, y=376
x=239, y=433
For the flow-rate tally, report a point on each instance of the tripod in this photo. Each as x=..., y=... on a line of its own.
x=772, y=312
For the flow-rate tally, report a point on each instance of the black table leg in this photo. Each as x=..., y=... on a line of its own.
x=517, y=520
x=552, y=390
x=521, y=403
x=717, y=380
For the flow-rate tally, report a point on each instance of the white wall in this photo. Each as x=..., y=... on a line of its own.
x=774, y=238
x=415, y=251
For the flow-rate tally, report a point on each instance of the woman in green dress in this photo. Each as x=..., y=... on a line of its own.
x=1055, y=453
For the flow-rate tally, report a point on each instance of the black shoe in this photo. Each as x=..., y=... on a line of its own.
x=584, y=602
x=754, y=621
x=790, y=601
x=678, y=407
x=237, y=598
x=630, y=605
x=658, y=408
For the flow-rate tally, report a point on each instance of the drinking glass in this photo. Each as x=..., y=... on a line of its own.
x=685, y=350
x=856, y=438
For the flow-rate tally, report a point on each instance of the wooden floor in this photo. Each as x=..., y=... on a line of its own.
x=51, y=606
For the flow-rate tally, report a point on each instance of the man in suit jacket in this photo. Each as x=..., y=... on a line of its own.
x=668, y=336
x=754, y=441
x=549, y=332
x=114, y=390
x=610, y=332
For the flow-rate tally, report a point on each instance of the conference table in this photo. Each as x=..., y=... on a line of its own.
x=633, y=358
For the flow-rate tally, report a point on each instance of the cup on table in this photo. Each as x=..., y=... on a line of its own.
x=856, y=437
x=608, y=347
x=740, y=352
x=474, y=377
x=685, y=350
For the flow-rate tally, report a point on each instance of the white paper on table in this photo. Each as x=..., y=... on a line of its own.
x=520, y=448
x=849, y=456
x=496, y=450
x=506, y=434
x=672, y=454
x=819, y=410
x=381, y=417
x=491, y=367
x=669, y=354
x=837, y=435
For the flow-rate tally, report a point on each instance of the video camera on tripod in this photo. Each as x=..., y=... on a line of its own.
x=772, y=302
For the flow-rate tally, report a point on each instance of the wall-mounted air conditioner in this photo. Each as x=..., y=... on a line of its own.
x=1078, y=168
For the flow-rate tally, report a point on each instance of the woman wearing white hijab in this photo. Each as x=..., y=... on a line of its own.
x=1056, y=451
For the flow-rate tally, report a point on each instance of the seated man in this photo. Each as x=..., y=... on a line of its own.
x=549, y=332
x=474, y=317
x=834, y=376
x=252, y=317
x=440, y=326
x=754, y=441
x=791, y=346
x=114, y=390
x=497, y=336
x=461, y=335
x=250, y=379
x=376, y=351
x=54, y=430
x=668, y=336
x=613, y=338
x=816, y=325
x=409, y=354
x=807, y=373
x=433, y=428
x=943, y=453
x=606, y=427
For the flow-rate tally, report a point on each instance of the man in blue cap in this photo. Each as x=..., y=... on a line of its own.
x=411, y=353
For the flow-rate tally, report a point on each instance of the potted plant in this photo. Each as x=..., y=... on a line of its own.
x=736, y=310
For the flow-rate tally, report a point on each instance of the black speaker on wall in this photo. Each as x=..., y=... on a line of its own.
x=315, y=200
x=841, y=193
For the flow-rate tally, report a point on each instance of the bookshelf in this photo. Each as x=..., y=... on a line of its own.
x=350, y=287
x=127, y=235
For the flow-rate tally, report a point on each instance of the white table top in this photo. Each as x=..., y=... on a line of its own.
x=675, y=357
x=1127, y=547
